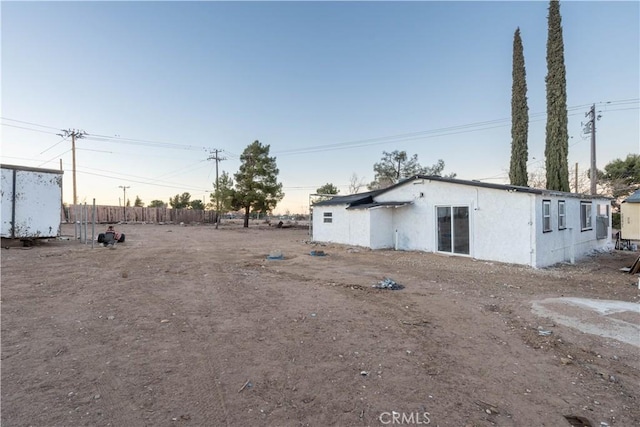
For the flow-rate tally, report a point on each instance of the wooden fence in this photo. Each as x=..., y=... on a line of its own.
x=115, y=214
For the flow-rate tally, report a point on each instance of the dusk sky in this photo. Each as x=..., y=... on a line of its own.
x=328, y=86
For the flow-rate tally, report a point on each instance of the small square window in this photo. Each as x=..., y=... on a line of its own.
x=603, y=210
x=328, y=217
x=562, y=215
x=546, y=216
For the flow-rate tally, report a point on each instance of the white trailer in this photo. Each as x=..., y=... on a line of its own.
x=31, y=202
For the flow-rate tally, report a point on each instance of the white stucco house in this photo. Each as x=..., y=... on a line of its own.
x=485, y=221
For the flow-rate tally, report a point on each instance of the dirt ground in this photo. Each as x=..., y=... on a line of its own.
x=193, y=326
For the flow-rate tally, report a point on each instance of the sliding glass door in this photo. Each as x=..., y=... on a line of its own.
x=453, y=229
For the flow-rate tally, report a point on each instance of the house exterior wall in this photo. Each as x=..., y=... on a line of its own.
x=571, y=243
x=630, y=221
x=34, y=209
x=497, y=219
x=349, y=227
x=504, y=225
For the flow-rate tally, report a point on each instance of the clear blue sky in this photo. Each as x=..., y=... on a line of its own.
x=307, y=79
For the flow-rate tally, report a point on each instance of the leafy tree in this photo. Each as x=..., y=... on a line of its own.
x=355, y=184
x=128, y=203
x=197, y=205
x=180, y=201
x=257, y=187
x=327, y=189
x=138, y=203
x=396, y=166
x=519, y=116
x=324, y=190
x=621, y=177
x=557, y=136
x=157, y=204
x=222, y=197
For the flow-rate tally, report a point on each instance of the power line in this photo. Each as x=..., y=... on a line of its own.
x=180, y=170
x=28, y=123
x=118, y=175
x=486, y=125
x=434, y=133
x=145, y=183
x=53, y=158
x=142, y=142
x=64, y=138
x=34, y=130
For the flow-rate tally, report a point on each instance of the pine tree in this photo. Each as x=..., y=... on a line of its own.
x=257, y=186
x=519, y=116
x=557, y=137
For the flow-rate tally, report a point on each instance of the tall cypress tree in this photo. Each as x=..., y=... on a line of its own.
x=557, y=138
x=519, y=116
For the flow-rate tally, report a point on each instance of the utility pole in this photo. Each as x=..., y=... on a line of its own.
x=62, y=194
x=124, y=200
x=79, y=134
x=590, y=127
x=214, y=156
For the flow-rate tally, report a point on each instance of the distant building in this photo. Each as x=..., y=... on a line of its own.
x=630, y=217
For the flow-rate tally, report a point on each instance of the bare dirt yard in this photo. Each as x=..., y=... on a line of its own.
x=193, y=326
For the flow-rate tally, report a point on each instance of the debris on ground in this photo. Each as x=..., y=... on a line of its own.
x=275, y=255
x=246, y=385
x=388, y=284
x=317, y=253
x=635, y=267
x=487, y=407
x=578, y=421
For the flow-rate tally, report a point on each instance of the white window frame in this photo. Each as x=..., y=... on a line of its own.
x=546, y=216
x=562, y=215
x=586, y=216
x=327, y=217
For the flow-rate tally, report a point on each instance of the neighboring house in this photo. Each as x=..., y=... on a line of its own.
x=494, y=222
x=630, y=217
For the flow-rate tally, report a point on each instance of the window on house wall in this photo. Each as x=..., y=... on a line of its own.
x=328, y=217
x=546, y=216
x=562, y=215
x=585, y=216
x=603, y=210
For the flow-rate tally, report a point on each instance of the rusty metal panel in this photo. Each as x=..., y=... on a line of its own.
x=31, y=202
